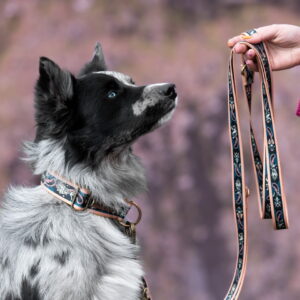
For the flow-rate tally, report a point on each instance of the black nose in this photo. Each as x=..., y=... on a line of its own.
x=168, y=90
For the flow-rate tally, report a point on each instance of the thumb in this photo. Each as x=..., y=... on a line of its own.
x=265, y=33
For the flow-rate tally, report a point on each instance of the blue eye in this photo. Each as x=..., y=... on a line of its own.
x=111, y=94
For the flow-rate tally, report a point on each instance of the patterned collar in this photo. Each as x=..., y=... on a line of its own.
x=79, y=198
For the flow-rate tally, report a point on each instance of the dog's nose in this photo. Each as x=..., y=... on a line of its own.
x=168, y=90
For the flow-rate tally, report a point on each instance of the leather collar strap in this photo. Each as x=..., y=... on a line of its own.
x=272, y=201
x=77, y=197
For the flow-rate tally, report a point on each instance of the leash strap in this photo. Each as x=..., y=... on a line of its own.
x=272, y=201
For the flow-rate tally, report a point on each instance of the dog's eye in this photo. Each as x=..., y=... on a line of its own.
x=112, y=94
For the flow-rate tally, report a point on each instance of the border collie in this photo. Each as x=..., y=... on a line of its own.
x=85, y=127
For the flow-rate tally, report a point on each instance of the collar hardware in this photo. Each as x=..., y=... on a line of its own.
x=138, y=218
x=74, y=196
x=80, y=199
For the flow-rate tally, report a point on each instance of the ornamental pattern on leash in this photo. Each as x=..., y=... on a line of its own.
x=267, y=171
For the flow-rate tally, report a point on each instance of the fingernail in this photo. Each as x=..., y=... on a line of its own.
x=246, y=37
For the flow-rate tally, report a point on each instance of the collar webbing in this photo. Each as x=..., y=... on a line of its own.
x=78, y=198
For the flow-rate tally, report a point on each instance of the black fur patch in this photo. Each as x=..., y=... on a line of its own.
x=37, y=241
x=4, y=262
x=62, y=258
x=46, y=240
x=10, y=296
x=96, y=64
x=34, y=270
x=29, y=291
x=82, y=113
x=30, y=242
x=53, y=91
x=100, y=125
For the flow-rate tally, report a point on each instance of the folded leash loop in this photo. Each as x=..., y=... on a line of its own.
x=272, y=201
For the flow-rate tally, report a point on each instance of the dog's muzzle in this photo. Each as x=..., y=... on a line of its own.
x=165, y=90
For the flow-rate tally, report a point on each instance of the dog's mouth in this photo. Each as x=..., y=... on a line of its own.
x=170, y=97
x=169, y=112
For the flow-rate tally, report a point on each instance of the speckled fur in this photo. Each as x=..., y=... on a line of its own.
x=49, y=251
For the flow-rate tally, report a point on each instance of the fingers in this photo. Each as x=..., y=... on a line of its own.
x=250, y=54
x=265, y=33
x=251, y=65
x=240, y=48
x=231, y=42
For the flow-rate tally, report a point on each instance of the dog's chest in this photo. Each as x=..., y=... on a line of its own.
x=58, y=254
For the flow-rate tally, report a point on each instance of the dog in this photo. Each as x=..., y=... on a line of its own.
x=85, y=128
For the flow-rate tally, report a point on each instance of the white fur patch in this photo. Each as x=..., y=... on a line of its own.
x=120, y=76
x=148, y=100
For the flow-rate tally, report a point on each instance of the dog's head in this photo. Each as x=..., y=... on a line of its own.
x=99, y=112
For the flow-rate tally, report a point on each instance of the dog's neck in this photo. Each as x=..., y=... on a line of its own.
x=117, y=177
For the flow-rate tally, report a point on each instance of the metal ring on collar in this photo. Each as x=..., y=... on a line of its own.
x=139, y=217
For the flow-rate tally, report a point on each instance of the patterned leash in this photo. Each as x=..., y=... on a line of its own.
x=272, y=201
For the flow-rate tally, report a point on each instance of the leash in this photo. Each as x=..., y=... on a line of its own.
x=80, y=199
x=268, y=178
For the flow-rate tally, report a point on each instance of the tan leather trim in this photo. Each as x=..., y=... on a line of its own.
x=266, y=164
x=86, y=191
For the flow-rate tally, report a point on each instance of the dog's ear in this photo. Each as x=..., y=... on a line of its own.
x=54, y=83
x=53, y=99
x=96, y=64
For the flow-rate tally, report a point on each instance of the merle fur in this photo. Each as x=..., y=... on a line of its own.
x=47, y=250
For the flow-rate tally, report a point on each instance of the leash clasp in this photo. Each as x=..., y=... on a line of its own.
x=243, y=68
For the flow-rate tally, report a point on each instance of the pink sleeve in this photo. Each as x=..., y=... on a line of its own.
x=298, y=110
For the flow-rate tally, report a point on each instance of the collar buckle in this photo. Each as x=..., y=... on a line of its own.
x=74, y=196
x=89, y=204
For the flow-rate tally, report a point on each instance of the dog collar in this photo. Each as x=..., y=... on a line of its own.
x=80, y=198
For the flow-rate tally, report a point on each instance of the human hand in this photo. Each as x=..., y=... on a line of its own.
x=281, y=40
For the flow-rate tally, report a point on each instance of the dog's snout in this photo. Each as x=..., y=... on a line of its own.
x=168, y=90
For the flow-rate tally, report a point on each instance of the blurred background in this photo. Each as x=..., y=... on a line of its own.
x=187, y=233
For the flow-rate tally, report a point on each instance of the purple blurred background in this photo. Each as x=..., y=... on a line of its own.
x=187, y=233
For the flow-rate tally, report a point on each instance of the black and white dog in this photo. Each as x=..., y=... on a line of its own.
x=85, y=128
